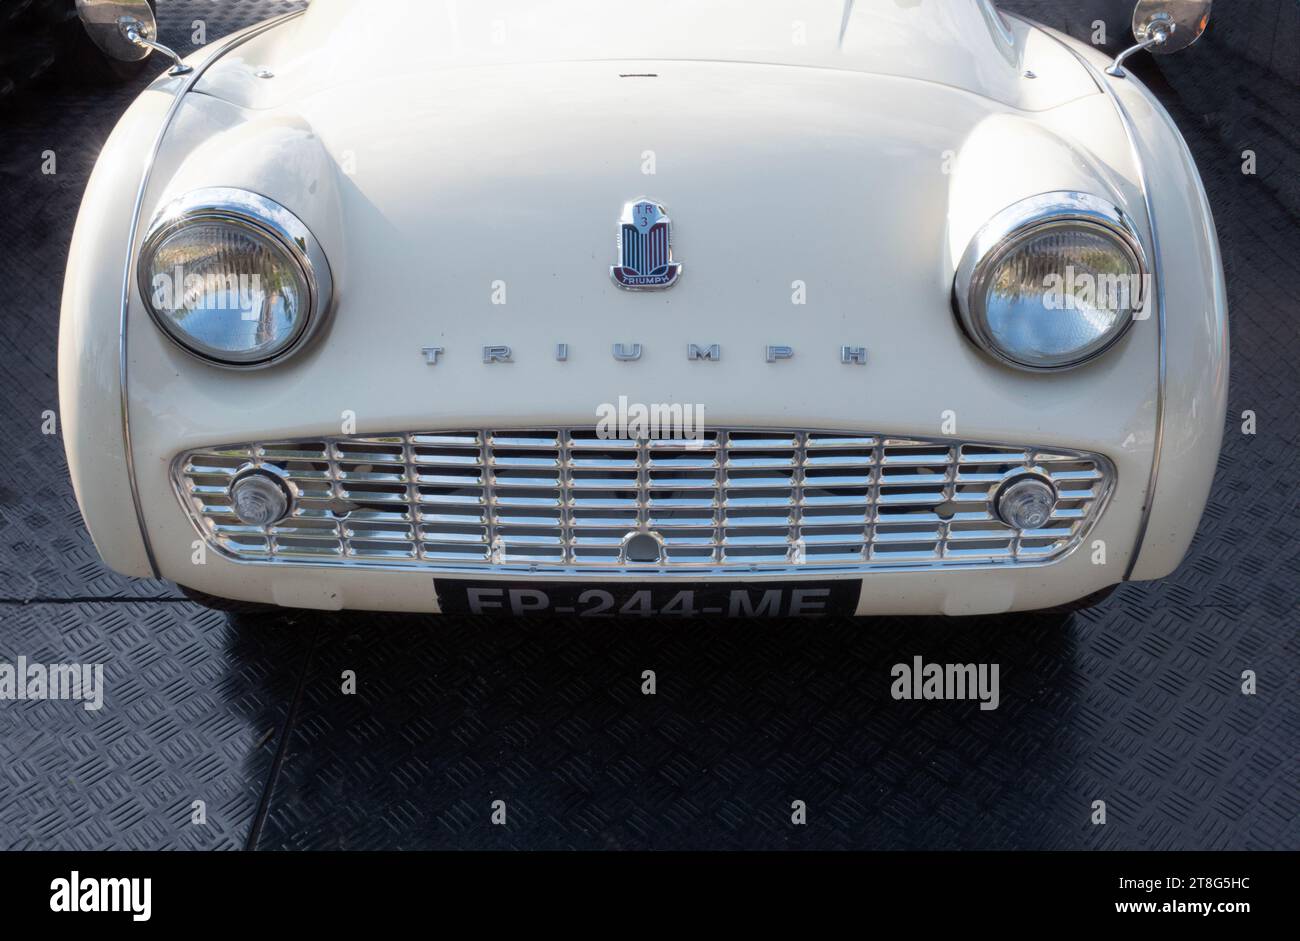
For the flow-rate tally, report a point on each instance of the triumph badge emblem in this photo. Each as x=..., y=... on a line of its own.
x=645, y=249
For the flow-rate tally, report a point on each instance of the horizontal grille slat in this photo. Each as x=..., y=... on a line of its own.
x=735, y=498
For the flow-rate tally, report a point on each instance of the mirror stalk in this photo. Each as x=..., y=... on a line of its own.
x=1159, y=36
x=134, y=30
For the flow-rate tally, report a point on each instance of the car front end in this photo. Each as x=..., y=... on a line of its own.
x=733, y=320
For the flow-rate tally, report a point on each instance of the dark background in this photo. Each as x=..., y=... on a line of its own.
x=1136, y=702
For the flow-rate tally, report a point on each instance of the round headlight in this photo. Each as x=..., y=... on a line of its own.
x=233, y=277
x=1051, y=281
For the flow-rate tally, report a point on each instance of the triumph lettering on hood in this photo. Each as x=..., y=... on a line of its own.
x=631, y=352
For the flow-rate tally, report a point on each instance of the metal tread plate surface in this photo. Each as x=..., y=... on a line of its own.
x=1137, y=702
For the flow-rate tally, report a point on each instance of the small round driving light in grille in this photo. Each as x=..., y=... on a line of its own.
x=259, y=498
x=1026, y=502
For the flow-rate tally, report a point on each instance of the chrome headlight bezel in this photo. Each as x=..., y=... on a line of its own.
x=1014, y=225
x=264, y=217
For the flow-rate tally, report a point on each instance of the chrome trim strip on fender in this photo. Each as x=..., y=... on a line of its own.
x=187, y=82
x=1157, y=277
x=1130, y=132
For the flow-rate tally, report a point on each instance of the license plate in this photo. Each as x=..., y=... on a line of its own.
x=642, y=599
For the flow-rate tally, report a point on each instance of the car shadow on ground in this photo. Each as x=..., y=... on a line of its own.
x=555, y=717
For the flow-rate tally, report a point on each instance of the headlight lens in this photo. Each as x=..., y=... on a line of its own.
x=1051, y=282
x=227, y=292
x=233, y=277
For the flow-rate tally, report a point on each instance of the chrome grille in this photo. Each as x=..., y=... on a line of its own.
x=735, y=499
x=645, y=253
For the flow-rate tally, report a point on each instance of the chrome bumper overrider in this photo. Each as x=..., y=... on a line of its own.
x=736, y=500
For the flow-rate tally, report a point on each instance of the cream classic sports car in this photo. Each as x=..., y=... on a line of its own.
x=679, y=308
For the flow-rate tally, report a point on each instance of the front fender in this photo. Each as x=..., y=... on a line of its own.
x=92, y=377
x=1194, y=352
x=90, y=391
x=1195, y=337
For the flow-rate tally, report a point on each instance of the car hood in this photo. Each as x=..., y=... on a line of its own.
x=814, y=208
x=965, y=44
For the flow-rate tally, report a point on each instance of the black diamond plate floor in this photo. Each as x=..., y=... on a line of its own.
x=1136, y=703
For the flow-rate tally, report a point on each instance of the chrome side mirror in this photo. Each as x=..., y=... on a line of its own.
x=1164, y=26
x=125, y=30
